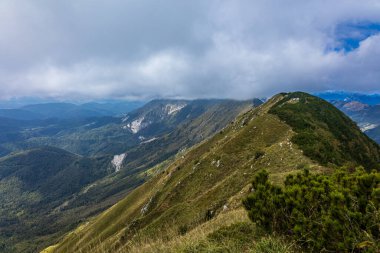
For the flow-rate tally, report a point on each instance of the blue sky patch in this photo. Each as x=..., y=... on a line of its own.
x=349, y=35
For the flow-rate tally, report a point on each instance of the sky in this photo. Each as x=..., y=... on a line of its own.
x=140, y=49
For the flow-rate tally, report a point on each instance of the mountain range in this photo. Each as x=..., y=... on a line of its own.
x=63, y=171
x=59, y=110
x=193, y=203
x=169, y=176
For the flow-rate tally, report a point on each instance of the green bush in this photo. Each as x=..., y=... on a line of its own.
x=337, y=213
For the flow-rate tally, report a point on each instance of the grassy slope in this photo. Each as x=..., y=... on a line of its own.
x=230, y=231
x=325, y=134
x=214, y=174
x=209, y=181
x=145, y=156
x=65, y=189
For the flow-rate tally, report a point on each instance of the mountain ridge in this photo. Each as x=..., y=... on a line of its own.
x=90, y=195
x=64, y=110
x=208, y=181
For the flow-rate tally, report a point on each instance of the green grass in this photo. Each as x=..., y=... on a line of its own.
x=230, y=231
x=324, y=133
x=238, y=237
x=208, y=177
x=48, y=191
x=197, y=187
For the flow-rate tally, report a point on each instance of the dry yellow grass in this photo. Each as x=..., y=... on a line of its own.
x=193, y=239
x=178, y=243
x=49, y=249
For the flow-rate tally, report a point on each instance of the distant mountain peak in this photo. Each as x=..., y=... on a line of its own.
x=370, y=99
x=174, y=108
x=355, y=106
x=153, y=112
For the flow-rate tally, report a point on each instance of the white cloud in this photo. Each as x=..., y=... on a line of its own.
x=144, y=49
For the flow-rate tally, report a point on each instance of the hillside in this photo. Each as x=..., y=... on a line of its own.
x=187, y=205
x=71, y=188
x=35, y=182
x=367, y=116
x=361, y=108
x=324, y=133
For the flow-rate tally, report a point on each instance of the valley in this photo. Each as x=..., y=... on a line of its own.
x=120, y=159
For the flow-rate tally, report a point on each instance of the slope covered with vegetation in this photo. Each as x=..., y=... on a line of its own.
x=364, y=109
x=324, y=133
x=135, y=166
x=33, y=186
x=196, y=200
x=49, y=190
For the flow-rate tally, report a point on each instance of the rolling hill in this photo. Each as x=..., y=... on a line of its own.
x=193, y=204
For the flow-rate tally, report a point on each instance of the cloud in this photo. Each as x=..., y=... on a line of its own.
x=218, y=48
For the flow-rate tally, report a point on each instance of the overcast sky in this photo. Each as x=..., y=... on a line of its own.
x=140, y=49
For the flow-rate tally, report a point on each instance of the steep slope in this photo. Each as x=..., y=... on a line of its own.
x=324, y=133
x=204, y=186
x=35, y=182
x=197, y=121
x=133, y=168
x=367, y=116
x=72, y=192
x=361, y=108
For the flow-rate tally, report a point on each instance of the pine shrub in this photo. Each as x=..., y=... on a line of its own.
x=337, y=213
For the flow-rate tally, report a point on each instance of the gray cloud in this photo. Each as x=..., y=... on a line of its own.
x=143, y=49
